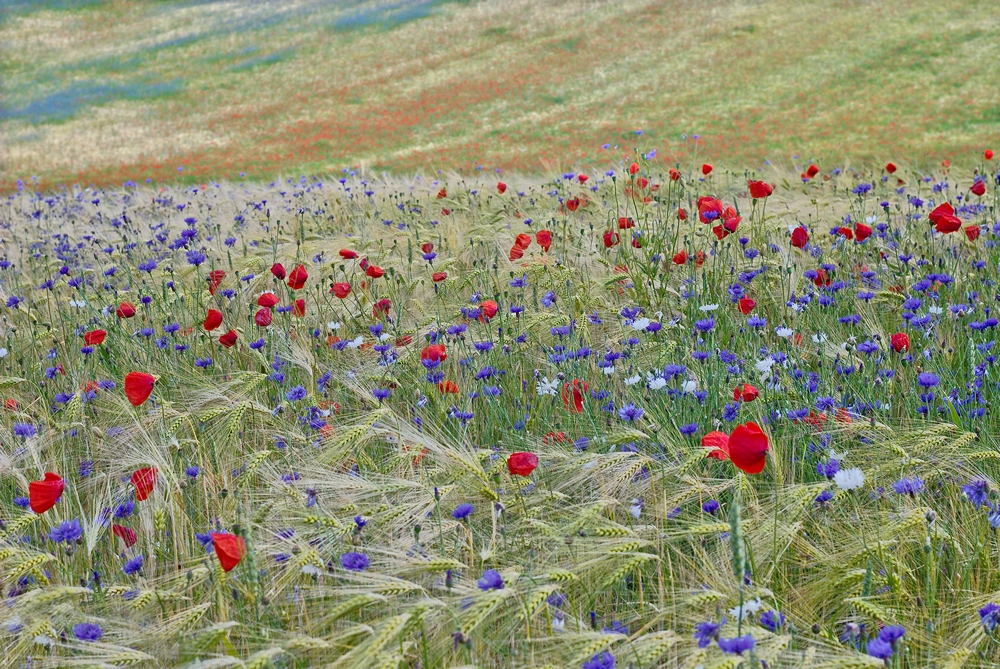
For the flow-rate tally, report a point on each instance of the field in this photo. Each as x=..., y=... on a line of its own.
x=105, y=92
x=599, y=420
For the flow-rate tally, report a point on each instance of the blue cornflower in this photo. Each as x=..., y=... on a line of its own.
x=295, y=394
x=490, y=580
x=772, y=620
x=705, y=324
x=880, y=648
x=88, y=631
x=630, y=412
x=707, y=632
x=737, y=645
x=977, y=491
x=192, y=471
x=711, y=506
x=25, y=430
x=548, y=299
x=354, y=561
x=689, y=429
x=462, y=511
x=908, y=486
x=989, y=616
x=381, y=394
x=603, y=660
x=67, y=531
x=927, y=379
x=133, y=565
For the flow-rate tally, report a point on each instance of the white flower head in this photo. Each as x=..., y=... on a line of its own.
x=546, y=387
x=690, y=385
x=632, y=380
x=708, y=307
x=784, y=332
x=640, y=324
x=609, y=370
x=3, y=353
x=834, y=455
x=937, y=311
x=849, y=479
x=356, y=343
x=819, y=338
x=333, y=325
x=748, y=609
x=764, y=366
x=635, y=509
x=310, y=570
x=656, y=382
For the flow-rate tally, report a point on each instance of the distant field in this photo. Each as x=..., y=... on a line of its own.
x=102, y=92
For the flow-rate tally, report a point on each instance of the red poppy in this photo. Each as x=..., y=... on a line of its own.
x=812, y=171
x=43, y=495
x=278, y=270
x=747, y=393
x=890, y=168
x=10, y=404
x=900, y=342
x=125, y=310
x=718, y=445
x=625, y=222
x=748, y=448
x=582, y=178
x=434, y=352
x=299, y=308
x=988, y=154
x=144, y=480
x=522, y=463
x=448, y=387
x=214, y=279
x=347, y=254
x=707, y=206
x=94, y=337
x=442, y=194
x=681, y=257
x=862, y=232
x=213, y=320
x=230, y=549
x=845, y=232
x=341, y=289
x=267, y=300
x=706, y=169
x=699, y=258
x=746, y=305
x=228, y=339
x=682, y=214
x=945, y=163
x=297, y=278
x=381, y=308
x=573, y=394
x=822, y=279
x=610, y=239
x=759, y=189
x=544, y=239
x=674, y=175
x=800, y=237
x=978, y=188
x=501, y=187
x=374, y=271
x=126, y=534
x=489, y=308
x=944, y=219
x=972, y=232
x=573, y=203
x=263, y=317
x=637, y=242
x=439, y=276
x=730, y=219
x=720, y=232
x=138, y=386
x=633, y=168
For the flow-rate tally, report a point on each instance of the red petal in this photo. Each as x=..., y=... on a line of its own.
x=43, y=495
x=126, y=534
x=138, y=386
x=230, y=549
x=144, y=480
x=719, y=443
x=748, y=448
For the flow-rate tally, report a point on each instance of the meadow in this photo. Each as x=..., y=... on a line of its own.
x=644, y=416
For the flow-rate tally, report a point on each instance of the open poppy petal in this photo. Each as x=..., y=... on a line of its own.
x=43, y=495
x=748, y=447
x=144, y=481
x=138, y=386
x=230, y=549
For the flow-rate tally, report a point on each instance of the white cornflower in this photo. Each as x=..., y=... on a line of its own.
x=333, y=325
x=784, y=332
x=640, y=324
x=849, y=479
x=3, y=353
x=635, y=510
x=819, y=338
x=708, y=307
x=937, y=311
x=559, y=622
x=609, y=370
x=546, y=387
x=748, y=609
x=356, y=343
x=764, y=366
x=632, y=380
x=656, y=382
x=690, y=386
x=310, y=570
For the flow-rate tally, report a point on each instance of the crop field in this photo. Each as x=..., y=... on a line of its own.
x=643, y=417
x=104, y=92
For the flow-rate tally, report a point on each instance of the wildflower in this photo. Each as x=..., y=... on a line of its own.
x=229, y=548
x=462, y=511
x=25, y=430
x=989, y=616
x=737, y=645
x=772, y=620
x=630, y=412
x=977, y=491
x=707, y=632
x=67, y=531
x=354, y=561
x=192, y=471
x=522, y=463
x=88, y=631
x=603, y=660
x=490, y=580
x=880, y=649
x=134, y=565
x=44, y=494
x=144, y=480
x=138, y=387
x=909, y=487
x=849, y=479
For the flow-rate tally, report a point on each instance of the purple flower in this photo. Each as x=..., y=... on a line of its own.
x=296, y=393
x=927, y=379
x=711, y=506
x=908, y=486
x=707, y=632
x=67, y=531
x=603, y=660
x=705, y=324
x=25, y=430
x=88, y=631
x=462, y=511
x=381, y=394
x=989, y=616
x=737, y=645
x=880, y=648
x=192, y=471
x=630, y=412
x=490, y=580
x=772, y=620
x=978, y=492
x=354, y=561
x=133, y=565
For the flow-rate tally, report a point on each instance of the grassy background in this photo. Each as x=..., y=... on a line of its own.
x=108, y=91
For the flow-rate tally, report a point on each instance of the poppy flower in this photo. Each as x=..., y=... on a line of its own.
x=126, y=534
x=125, y=310
x=442, y=194
x=674, y=175
x=267, y=300
x=610, y=239
x=625, y=222
x=434, y=352
x=972, y=232
x=988, y=154
x=862, y=232
x=759, y=189
x=890, y=168
x=263, y=317
x=706, y=169
x=489, y=308
x=544, y=239
x=10, y=404
x=522, y=463
x=822, y=279
x=347, y=254
x=720, y=232
x=501, y=187
x=215, y=277
x=573, y=394
x=845, y=232
x=633, y=168
x=730, y=219
x=582, y=178
x=699, y=258
x=682, y=214
x=900, y=342
x=374, y=271
x=746, y=305
x=299, y=308
x=230, y=549
x=748, y=448
x=448, y=387
x=709, y=209
x=800, y=237
x=94, y=337
x=138, y=386
x=144, y=481
x=812, y=171
x=43, y=495
x=278, y=270
x=944, y=219
x=341, y=289
x=747, y=393
x=439, y=276
x=717, y=444
x=228, y=339
x=681, y=257
x=978, y=188
x=573, y=203
x=297, y=278
x=426, y=247
x=637, y=242
x=213, y=320
x=381, y=308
